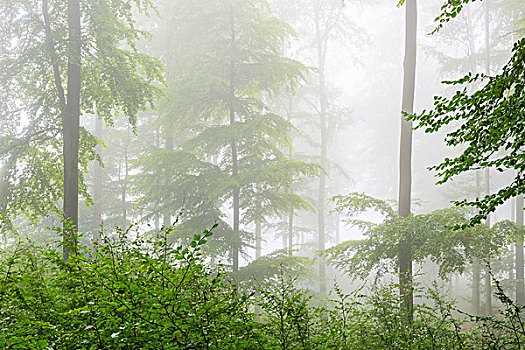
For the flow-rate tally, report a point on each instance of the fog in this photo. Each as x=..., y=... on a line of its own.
x=276, y=125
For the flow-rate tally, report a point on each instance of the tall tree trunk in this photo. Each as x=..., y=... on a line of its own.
x=258, y=239
x=235, y=165
x=405, y=154
x=289, y=115
x=476, y=264
x=125, y=188
x=513, y=251
x=167, y=212
x=520, y=282
x=488, y=279
x=323, y=107
x=70, y=130
x=337, y=228
x=290, y=235
x=97, y=180
x=476, y=271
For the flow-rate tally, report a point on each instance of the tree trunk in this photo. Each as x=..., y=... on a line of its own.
x=258, y=239
x=476, y=270
x=167, y=212
x=513, y=252
x=337, y=228
x=520, y=283
x=70, y=130
x=476, y=264
x=405, y=158
x=235, y=165
x=125, y=188
x=290, y=235
x=488, y=280
x=97, y=181
x=323, y=106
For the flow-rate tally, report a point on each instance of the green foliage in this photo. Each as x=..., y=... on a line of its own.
x=146, y=293
x=490, y=126
x=132, y=294
x=432, y=236
x=488, y=123
x=449, y=10
x=116, y=76
x=277, y=263
x=226, y=64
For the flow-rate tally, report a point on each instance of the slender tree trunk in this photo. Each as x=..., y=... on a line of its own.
x=488, y=280
x=125, y=188
x=97, y=181
x=167, y=212
x=290, y=235
x=513, y=252
x=520, y=282
x=405, y=158
x=235, y=165
x=337, y=228
x=476, y=271
x=289, y=115
x=258, y=239
x=476, y=264
x=156, y=144
x=71, y=131
x=323, y=107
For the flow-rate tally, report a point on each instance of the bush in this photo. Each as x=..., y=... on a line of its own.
x=151, y=294
x=128, y=294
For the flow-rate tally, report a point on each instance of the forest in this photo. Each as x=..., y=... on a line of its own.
x=262, y=174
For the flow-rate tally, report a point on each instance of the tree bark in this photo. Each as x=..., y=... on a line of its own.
x=520, y=282
x=125, y=188
x=235, y=165
x=488, y=279
x=97, y=181
x=258, y=239
x=71, y=131
x=323, y=107
x=337, y=228
x=476, y=264
x=405, y=158
x=475, y=285
x=167, y=212
x=290, y=235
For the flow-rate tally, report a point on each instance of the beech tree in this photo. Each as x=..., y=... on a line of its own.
x=490, y=125
x=405, y=152
x=222, y=144
x=432, y=236
x=59, y=58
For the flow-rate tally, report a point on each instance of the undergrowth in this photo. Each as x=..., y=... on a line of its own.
x=147, y=293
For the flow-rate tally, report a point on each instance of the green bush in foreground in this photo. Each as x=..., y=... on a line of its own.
x=148, y=293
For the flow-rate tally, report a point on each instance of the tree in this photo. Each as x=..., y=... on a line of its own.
x=57, y=61
x=229, y=148
x=489, y=123
x=520, y=282
x=331, y=25
x=405, y=152
x=432, y=238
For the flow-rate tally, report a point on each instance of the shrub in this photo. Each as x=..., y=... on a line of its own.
x=151, y=294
